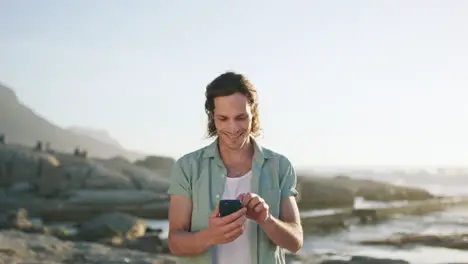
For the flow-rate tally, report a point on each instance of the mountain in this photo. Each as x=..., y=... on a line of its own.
x=100, y=135
x=21, y=124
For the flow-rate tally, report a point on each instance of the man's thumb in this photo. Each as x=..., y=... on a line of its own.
x=215, y=213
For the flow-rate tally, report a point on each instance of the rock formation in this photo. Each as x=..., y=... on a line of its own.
x=339, y=192
x=61, y=183
x=58, y=185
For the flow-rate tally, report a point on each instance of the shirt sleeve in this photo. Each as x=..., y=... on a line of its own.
x=180, y=183
x=289, y=179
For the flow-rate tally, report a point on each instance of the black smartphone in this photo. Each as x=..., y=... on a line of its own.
x=227, y=207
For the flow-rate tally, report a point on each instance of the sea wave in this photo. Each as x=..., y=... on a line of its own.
x=345, y=243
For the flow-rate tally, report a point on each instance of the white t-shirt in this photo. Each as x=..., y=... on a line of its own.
x=237, y=251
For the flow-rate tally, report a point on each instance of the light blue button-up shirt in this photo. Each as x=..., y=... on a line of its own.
x=201, y=175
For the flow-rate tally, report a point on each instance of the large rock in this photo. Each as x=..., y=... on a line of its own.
x=338, y=192
x=64, y=186
x=114, y=229
x=157, y=163
x=15, y=219
x=79, y=206
x=18, y=220
x=20, y=164
x=111, y=197
x=110, y=225
x=142, y=177
x=381, y=191
x=148, y=243
x=52, y=174
x=90, y=175
x=18, y=247
x=320, y=193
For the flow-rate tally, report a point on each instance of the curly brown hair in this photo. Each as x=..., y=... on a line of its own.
x=227, y=84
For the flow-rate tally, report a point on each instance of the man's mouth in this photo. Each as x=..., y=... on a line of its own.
x=236, y=136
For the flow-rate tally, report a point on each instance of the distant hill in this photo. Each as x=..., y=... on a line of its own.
x=21, y=124
x=100, y=135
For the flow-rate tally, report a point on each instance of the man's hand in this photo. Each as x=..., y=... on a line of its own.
x=257, y=209
x=227, y=228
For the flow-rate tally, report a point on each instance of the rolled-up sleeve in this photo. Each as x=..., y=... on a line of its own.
x=288, y=179
x=179, y=182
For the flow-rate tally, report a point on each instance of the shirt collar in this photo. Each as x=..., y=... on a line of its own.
x=211, y=151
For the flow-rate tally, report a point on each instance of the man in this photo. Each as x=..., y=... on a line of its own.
x=234, y=166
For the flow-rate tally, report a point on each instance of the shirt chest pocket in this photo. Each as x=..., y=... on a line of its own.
x=273, y=198
x=201, y=201
x=270, y=187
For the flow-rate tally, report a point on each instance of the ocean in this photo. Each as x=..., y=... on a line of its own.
x=343, y=243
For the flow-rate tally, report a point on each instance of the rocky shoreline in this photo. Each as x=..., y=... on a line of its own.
x=56, y=186
x=20, y=247
x=314, y=223
x=121, y=238
x=107, y=199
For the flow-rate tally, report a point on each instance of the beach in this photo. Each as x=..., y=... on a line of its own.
x=343, y=244
x=115, y=205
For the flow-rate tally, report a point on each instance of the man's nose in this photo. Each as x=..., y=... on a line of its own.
x=233, y=127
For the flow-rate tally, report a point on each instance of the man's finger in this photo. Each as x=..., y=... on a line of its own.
x=239, y=223
x=215, y=212
x=260, y=207
x=232, y=217
x=246, y=198
x=253, y=202
x=233, y=233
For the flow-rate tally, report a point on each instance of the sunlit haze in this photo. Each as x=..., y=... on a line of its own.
x=341, y=83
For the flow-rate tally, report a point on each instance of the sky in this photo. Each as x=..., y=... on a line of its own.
x=340, y=83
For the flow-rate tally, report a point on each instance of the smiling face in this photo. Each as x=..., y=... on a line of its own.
x=233, y=120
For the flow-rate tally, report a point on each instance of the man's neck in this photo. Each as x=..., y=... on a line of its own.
x=230, y=155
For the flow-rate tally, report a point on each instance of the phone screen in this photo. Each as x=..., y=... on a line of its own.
x=227, y=207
